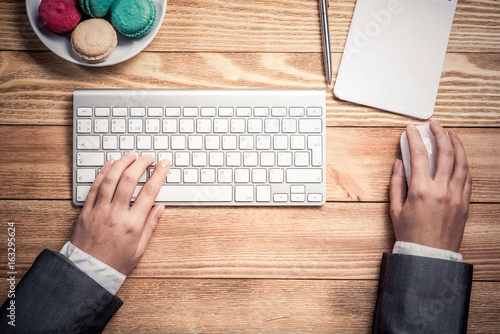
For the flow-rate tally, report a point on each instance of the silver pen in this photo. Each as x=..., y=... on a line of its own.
x=325, y=36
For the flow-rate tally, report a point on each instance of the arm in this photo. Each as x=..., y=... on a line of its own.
x=423, y=294
x=55, y=295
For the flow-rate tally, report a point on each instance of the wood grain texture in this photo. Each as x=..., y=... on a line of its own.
x=36, y=162
x=266, y=306
x=264, y=26
x=336, y=241
x=37, y=87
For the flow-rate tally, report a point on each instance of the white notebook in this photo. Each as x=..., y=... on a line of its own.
x=394, y=55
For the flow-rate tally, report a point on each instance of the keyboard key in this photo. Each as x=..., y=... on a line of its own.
x=255, y=125
x=278, y=111
x=84, y=126
x=195, y=142
x=135, y=125
x=263, y=193
x=246, y=142
x=243, y=112
x=224, y=175
x=216, y=159
x=82, y=192
x=170, y=126
x=212, y=142
x=314, y=111
x=84, y=111
x=289, y=125
x=155, y=111
x=314, y=197
x=190, y=112
x=259, y=175
x=229, y=142
x=90, y=159
x=310, y=125
x=203, y=125
x=297, y=142
x=118, y=125
x=144, y=143
x=314, y=144
x=284, y=159
x=208, y=111
x=233, y=159
x=101, y=125
x=263, y=142
x=186, y=125
x=109, y=142
x=127, y=142
x=297, y=197
x=304, y=175
x=271, y=125
x=207, y=175
x=301, y=159
x=172, y=112
x=267, y=159
x=85, y=175
x=193, y=194
x=178, y=142
x=101, y=112
x=250, y=159
x=297, y=189
x=226, y=112
x=261, y=111
x=166, y=155
x=120, y=111
x=241, y=175
x=238, y=125
x=276, y=175
x=137, y=111
x=190, y=175
x=182, y=159
x=88, y=142
x=174, y=175
x=152, y=125
x=296, y=112
x=280, y=142
x=280, y=197
x=199, y=159
x=221, y=125
x=160, y=143
x=243, y=193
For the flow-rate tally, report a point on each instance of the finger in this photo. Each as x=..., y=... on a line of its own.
x=419, y=161
x=149, y=227
x=445, y=158
x=150, y=190
x=94, y=189
x=130, y=178
x=108, y=187
x=468, y=188
x=461, y=168
x=397, y=188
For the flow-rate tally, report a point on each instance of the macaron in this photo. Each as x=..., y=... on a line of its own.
x=96, y=8
x=93, y=40
x=133, y=18
x=59, y=16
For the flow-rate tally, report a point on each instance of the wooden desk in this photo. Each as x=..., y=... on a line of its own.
x=253, y=269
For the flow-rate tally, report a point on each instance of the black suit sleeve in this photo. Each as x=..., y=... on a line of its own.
x=55, y=296
x=422, y=295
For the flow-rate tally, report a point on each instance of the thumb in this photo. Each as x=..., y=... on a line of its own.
x=397, y=188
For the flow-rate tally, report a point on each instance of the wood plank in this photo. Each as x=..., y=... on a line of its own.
x=36, y=162
x=264, y=26
x=336, y=241
x=37, y=87
x=267, y=306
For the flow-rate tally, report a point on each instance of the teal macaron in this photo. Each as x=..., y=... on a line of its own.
x=133, y=18
x=96, y=8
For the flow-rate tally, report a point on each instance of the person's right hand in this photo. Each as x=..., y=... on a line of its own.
x=108, y=228
x=435, y=210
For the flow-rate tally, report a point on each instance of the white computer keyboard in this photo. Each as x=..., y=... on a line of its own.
x=226, y=147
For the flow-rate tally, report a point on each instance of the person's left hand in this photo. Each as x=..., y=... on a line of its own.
x=108, y=228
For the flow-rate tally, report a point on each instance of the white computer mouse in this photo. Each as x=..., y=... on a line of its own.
x=430, y=144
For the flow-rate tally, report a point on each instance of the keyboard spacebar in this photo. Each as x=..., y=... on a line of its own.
x=176, y=193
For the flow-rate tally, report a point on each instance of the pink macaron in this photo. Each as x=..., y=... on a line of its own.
x=60, y=16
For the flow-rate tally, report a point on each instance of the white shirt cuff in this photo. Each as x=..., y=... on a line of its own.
x=409, y=248
x=106, y=276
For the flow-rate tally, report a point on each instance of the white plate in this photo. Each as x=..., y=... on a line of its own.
x=60, y=44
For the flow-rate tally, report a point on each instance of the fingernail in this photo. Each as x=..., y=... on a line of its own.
x=160, y=212
x=435, y=122
x=397, y=165
x=110, y=162
x=453, y=133
x=164, y=163
x=411, y=127
x=131, y=153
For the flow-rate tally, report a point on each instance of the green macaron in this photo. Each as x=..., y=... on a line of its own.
x=133, y=18
x=96, y=8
